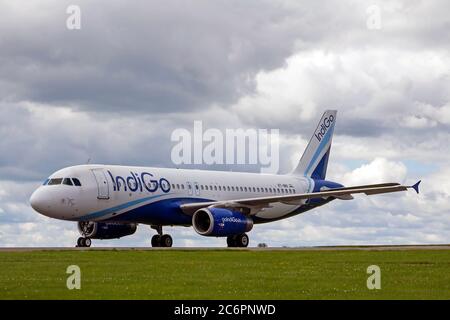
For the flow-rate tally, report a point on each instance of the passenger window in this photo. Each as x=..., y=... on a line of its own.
x=178, y=186
x=232, y=188
x=67, y=181
x=55, y=181
x=182, y=186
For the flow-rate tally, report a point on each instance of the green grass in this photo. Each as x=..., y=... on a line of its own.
x=225, y=274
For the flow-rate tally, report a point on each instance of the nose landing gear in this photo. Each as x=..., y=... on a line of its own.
x=84, y=242
x=160, y=239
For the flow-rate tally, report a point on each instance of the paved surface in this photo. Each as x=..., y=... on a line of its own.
x=365, y=248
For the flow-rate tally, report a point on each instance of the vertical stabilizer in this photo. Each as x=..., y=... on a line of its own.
x=314, y=160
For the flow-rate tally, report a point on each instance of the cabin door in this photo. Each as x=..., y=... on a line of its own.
x=102, y=183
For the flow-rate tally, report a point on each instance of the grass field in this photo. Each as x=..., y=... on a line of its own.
x=225, y=274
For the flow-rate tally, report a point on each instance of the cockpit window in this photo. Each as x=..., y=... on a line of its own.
x=76, y=182
x=67, y=181
x=54, y=181
x=45, y=182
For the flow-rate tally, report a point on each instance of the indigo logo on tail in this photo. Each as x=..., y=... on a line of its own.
x=323, y=128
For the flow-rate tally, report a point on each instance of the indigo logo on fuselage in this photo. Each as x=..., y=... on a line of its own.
x=138, y=182
x=320, y=132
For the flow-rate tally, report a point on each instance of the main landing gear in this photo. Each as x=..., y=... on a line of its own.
x=84, y=242
x=238, y=241
x=160, y=239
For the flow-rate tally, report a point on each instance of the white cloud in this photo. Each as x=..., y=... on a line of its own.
x=367, y=83
x=378, y=171
x=418, y=122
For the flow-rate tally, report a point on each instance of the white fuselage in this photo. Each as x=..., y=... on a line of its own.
x=147, y=195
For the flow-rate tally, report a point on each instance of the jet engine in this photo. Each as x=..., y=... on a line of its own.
x=220, y=222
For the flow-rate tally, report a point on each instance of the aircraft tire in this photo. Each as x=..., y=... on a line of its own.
x=242, y=240
x=166, y=241
x=156, y=241
x=87, y=242
x=231, y=241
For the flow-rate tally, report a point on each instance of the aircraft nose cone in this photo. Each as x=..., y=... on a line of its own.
x=37, y=201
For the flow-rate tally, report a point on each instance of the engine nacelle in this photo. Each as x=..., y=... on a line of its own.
x=106, y=230
x=219, y=222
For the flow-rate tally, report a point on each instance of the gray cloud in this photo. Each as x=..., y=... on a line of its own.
x=152, y=57
x=115, y=90
x=178, y=55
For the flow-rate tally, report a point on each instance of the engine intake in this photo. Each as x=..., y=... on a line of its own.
x=106, y=230
x=219, y=222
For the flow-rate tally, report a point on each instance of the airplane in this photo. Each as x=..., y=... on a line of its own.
x=110, y=201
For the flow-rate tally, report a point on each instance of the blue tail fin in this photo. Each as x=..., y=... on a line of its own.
x=314, y=161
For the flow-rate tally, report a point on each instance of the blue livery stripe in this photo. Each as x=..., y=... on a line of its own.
x=321, y=170
x=105, y=212
x=322, y=144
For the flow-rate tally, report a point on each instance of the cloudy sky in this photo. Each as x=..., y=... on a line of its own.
x=114, y=90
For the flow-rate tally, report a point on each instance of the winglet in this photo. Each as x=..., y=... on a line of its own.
x=416, y=186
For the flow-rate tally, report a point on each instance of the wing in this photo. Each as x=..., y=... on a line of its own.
x=253, y=205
